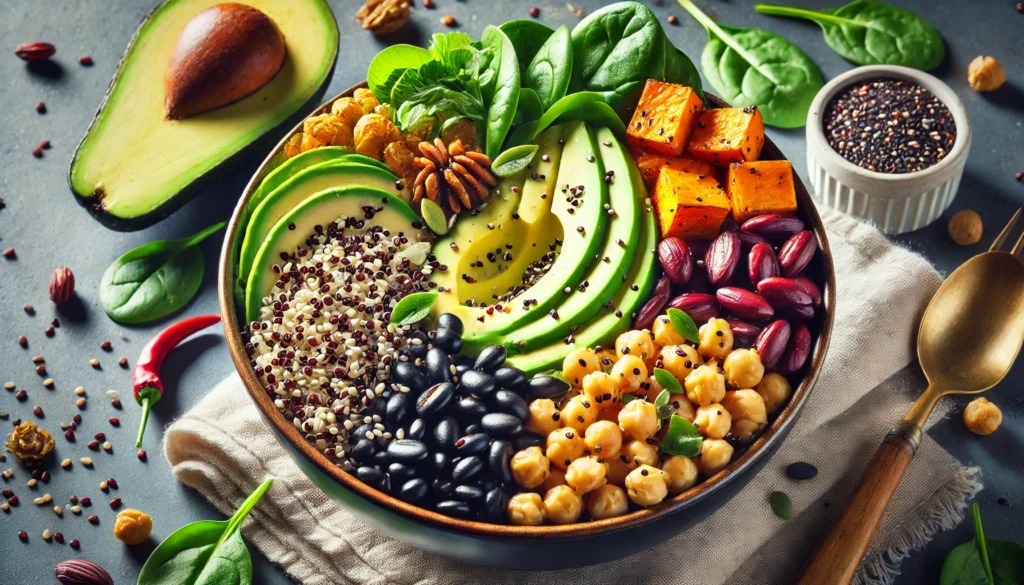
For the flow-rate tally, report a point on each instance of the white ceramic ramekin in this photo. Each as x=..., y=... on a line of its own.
x=895, y=203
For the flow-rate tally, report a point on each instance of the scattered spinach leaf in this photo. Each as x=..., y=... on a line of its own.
x=781, y=505
x=154, y=280
x=872, y=33
x=413, y=308
x=751, y=66
x=502, y=96
x=667, y=381
x=684, y=325
x=682, y=438
x=984, y=561
x=549, y=72
x=513, y=160
x=587, y=106
x=391, y=59
x=527, y=36
x=207, y=552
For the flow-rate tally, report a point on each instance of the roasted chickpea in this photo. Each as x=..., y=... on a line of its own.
x=602, y=390
x=775, y=390
x=563, y=505
x=607, y=501
x=607, y=356
x=586, y=474
x=680, y=360
x=526, y=509
x=462, y=129
x=555, y=478
x=578, y=364
x=680, y=472
x=639, y=420
x=630, y=372
x=982, y=417
x=366, y=100
x=618, y=468
x=328, y=130
x=748, y=412
x=635, y=343
x=641, y=452
x=293, y=146
x=399, y=158
x=665, y=334
x=565, y=445
x=132, y=526
x=715, y=338
x=579, y=413
x=309, y=142
x=646, y=485
x=705, y=386
x=604, y=439
x=743, y=368
x=372, y=133
x=713, y=421
x=530, y=467
x=349, y=110
x=715, y=454
x=682, y=406
x=544, y=417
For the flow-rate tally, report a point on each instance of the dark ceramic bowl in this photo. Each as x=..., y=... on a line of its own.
x=527, y=547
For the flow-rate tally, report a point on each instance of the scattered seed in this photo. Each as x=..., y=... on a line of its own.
x=112, y=482
x=38, y=411
x=22, y=341
x=142, y=454
x=94, y=363
x=48, y=382
x=49, y=332
x=5, y=506
x=75, y=544
x=13, y=500
x=80, y=391
x=94, y=519
x=115, y=503
x=107, y=446
x=86, y=501
x=30, y=309
x=32, y=482
x=106, y=346
x=801, y=470
x=100, y=436
x=39, y=501
x=47, y=535
x=86, y=461
x=9, y=252
x=23, y=535
x=85, y=61
x=428, y=4
x=58, y=511
x=1019, y=177
x=104, y=486
x=55, y=322
x=41, y=108
x=76, y=509
x=116, y=403
x=57, y=536
x=448, y=20
x=672, y=19
x=80, y=403
x=21, y=395
x=66, y=464
x=534, y=11
x=94, y=445
x=112, y=393
x=41, y=369
x=45, y=477
x=123, y=362
x=9, y=386
x=781, y=505
x=1003, y=502
x=70, y=435
x=115, y=422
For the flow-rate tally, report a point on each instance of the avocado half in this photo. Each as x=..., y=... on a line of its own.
x=134, y=167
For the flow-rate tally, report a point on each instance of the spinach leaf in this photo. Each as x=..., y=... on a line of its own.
x=871, y=33
x=751, y=66
x=585, y=105
x=681, y=70
x=984, y=561
x=503, y=98
x=204, y=553
x=154, y=280
x=413, y=308
x=682, y=438
x=529, y=108
x=391, y=63
x=513, y=160
x=526, y=36
x=549, y=72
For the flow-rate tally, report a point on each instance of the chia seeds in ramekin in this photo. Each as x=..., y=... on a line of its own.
x=324, y=344
x=889, y=126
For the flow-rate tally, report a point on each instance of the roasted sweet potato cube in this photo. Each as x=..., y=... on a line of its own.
x=664, y=118
x=727, y=135
x=690, y=200
x=759, y=187
x=649, y=166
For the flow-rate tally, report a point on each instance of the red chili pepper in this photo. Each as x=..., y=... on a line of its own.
x=148, y=386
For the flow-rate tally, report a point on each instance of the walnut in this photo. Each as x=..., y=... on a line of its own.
x=965, y=227
x=384, y=16
x=982, y=417
x=328, y=129
x=62, y=285
x=986, y=74
x=132, y=526
x=452, y=177
x=29, y=443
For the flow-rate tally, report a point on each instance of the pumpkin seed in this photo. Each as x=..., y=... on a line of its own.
x=434, y=216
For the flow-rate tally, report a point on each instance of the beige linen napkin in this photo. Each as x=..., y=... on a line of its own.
x=223, y=449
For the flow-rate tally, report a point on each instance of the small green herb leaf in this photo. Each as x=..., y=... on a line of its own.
x=513, y=160
x=413, y=308
x=667, y=381
x=627, y=398
x=682, y=438
x=434, y=216
x=781, y=505
x=662, y=399
x=684, y=325
x=662, y=406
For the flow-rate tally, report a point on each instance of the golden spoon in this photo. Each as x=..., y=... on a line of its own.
x=969, y=338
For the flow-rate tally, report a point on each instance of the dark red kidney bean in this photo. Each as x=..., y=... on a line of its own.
x=722, y=258
x=810, y=288
x=797, y=351
x=773, y=225
x=699, y=306
x=698, y=248
x=652, y=308
x=771, y=343
x=749, y=239
x=785, y=295
x=743, y=333
x=675, y=259
x=744, y=304
x=762, y=263
x=797, y=252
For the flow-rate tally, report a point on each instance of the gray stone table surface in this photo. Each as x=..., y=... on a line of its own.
x=47, y=228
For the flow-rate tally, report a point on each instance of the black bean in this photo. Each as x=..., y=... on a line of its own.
x=472, y=444
x=500, y=424
x=398, y=409
x=468, y=493
x=461, y=369
x=434, y=400
x=444, y=434
x=510, y=378
x=413, y=490
x=448, y=340
x=438, y=369
x=407, y=375
x=491, y=358
x=547, y=387
x=371, y=476
x=442, y=488
x=469, y=409
x=495, y=505
x=509, y=402
x=362, y=451
x=477, y=383
x=466, y=468
x=527, y=439
x=801, y=470
x=407, y=450
x=401, y=471
x=417, y=430
x=450, y=321
x=361, y=431
x=486, y=484
x=473, y=429
x=439, y=465
x=417, y=350
x=498, y=460
x=454, y=508
x=385, y=486
x=381, y=459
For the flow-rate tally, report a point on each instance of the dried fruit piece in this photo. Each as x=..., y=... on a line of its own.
x=81, y=572
x=62, y=285
x=29, y=443
x=33, y=52
x=384, y=16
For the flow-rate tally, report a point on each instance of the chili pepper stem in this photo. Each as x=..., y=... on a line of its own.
x=146, y=405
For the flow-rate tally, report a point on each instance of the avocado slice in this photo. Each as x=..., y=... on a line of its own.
x=294, y=191
x=612, y=322
x=605, y=277
x=292, y=231
x=134, y=166
x=569, y=208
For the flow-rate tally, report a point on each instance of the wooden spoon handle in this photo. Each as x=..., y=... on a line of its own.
x=840, y=553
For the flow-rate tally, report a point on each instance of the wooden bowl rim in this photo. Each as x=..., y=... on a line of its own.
x=754, y=452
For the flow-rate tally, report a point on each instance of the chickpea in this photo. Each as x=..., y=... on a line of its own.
x=665, y=333
x=774, y=390
x=982, y=417
x=604, y=439
x=579, y=412
x=555, y=478
x=652, y=388
x=530, y=467
x=132, y=526
x=641, y=452
x=328, y=130
x=715, y=454
x=629, y=372
x=681, y=473
x=680, y=360
x=682, y=406
x=563, y=506
x=293, y=146
x=349, y=110
x=635, y=343
x=618, y=468
x=578, y=364
x=366, y=100
x=713, y=421
x=309, y=142
x=586, y=474
x=715, y=338
x=986, y=74
x=565, y=445
x=705, y=386
x=743, y=368
x=372, y=133
x=607, y=357
x=602, y=390
x=526, y=509
x=399, y=159
x=544, y=417
x=607, y=501
x=639, y=419
x=646, y=485
x=748, y=412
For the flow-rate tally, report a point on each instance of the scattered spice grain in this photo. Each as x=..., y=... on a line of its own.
x=85, y=61
x=41, y=108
